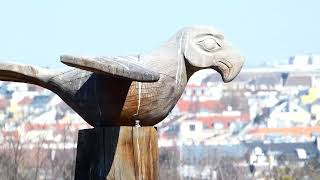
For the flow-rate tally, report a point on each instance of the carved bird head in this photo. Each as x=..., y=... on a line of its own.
x=205, y=47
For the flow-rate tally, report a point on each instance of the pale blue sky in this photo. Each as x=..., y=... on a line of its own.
x=38, y=31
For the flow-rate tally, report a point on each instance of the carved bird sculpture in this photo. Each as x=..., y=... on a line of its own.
x=118, y=91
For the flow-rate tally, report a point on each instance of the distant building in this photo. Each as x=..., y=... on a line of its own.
x=288, y=114
x=304, y=60
x=281, y=153
x=303, y=81
x=4, y=104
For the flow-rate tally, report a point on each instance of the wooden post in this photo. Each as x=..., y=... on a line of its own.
x=117, y=153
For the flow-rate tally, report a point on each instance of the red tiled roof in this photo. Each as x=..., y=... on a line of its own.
x=293, y=131
x=195, y=106
x=4, y=103
x=224, y=119
x=12, y=134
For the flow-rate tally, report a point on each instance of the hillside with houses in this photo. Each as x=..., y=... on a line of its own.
x=267, y=117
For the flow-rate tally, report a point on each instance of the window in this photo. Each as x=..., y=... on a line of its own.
x=192, y=127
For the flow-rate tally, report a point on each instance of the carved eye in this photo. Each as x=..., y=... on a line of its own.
x=209, y=44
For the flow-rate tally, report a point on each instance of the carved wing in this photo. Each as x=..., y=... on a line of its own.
x=126, y=67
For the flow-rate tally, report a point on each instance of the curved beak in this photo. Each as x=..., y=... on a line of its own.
x=229, y=68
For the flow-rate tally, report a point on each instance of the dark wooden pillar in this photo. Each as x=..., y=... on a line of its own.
x=117, y=153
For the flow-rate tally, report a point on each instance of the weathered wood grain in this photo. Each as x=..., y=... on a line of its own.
x=113, y=153
x=136, y=155
x=121, y=67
